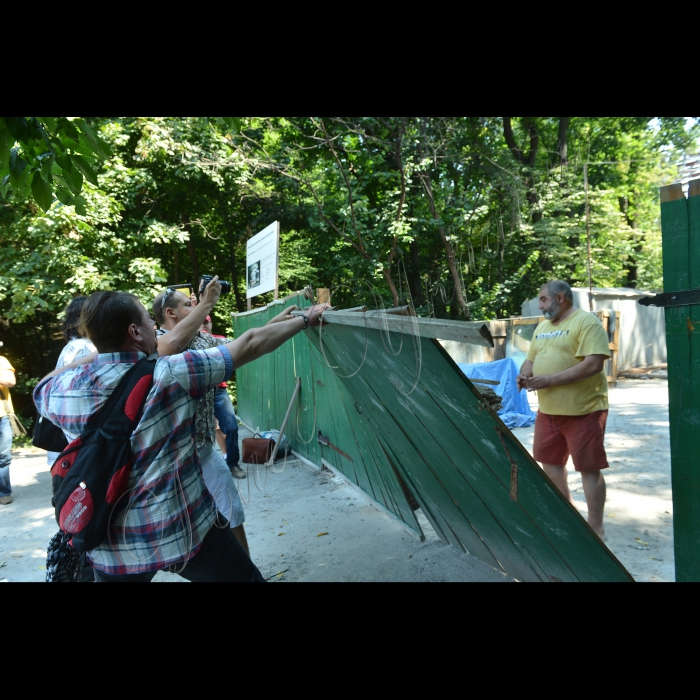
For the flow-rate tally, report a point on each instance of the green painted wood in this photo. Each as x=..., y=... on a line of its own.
x=329, y=408
x=339, y=421
x=373, y=460
x=421, y=454
x=675, y=245
x=432, y=455
x=464, y=474
x=441, y=440
x=565, y=530
x=680, y=221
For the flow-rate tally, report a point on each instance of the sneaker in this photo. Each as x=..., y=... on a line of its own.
x=237, y=472
x=5, y=500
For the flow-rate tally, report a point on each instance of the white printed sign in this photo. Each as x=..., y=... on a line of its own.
x=262, y=261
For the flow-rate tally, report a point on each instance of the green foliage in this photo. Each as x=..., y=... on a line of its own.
x=45, y=156
x=419, y=207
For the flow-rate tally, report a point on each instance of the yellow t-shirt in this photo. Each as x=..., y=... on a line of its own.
x=4, y=390
x=556, y=348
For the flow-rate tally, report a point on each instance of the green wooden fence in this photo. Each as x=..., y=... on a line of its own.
x=439, y=446
x=680, y=223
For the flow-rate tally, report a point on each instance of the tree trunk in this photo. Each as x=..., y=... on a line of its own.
x=633, y=268
x=417, y=283
x=449, y=252
x=390, y=283
x=562, y=140
x=528, y=160
x=240, y=302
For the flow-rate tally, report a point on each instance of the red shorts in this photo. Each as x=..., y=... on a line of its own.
x=557, y=437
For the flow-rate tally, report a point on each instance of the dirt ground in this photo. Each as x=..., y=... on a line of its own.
x=308, y=525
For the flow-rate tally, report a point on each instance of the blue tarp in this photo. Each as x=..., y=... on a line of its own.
x=516, y=411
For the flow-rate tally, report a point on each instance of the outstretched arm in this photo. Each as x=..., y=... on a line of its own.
x=259, y=341
x=284, y=316
x=176, y=340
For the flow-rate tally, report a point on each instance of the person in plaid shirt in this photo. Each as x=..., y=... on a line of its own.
x=171, y=521
x=171, y=309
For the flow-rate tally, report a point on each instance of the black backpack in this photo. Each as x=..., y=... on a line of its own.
x=90, y=476
x=48, y=436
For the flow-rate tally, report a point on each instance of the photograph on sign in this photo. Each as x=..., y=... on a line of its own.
x=254, y=275
x=262, y=261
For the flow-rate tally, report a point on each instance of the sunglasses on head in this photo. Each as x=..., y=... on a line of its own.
x=168, y=292
x=171, y=290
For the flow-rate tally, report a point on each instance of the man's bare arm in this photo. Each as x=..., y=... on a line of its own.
x=176, y=340
x=284, y=316
x=259, y=341
x=525, y=374
x=588, y=367
x=7, y=377
x=81, y=361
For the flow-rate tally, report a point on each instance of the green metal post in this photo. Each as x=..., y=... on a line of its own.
x=680, y=223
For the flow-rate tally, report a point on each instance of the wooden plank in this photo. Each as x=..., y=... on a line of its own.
x=369, y=468
x=680, y=220
x=394, y=311
x=675, y=248
x=269, y=390
x=461, y=331
x=335, y=427
x=303, y=417
x=310, y=371
x=443, y=514
x=284, y=385
x=498, y=332
x=377, y=466
x=671, y=193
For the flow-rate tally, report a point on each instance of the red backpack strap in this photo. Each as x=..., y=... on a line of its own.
x=128, y=399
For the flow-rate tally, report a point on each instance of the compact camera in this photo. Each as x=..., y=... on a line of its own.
x=205, y=279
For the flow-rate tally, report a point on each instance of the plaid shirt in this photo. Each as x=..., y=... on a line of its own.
x=205, y=421
x=169, y=510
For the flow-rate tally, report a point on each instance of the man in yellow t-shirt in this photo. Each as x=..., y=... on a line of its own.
x=565, y=366
x=7, y=379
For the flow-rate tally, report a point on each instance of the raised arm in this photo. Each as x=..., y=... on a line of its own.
x=259, y=341
x=176, y=340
